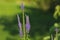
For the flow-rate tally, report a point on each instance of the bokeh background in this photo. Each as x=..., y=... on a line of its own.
x=41, y=18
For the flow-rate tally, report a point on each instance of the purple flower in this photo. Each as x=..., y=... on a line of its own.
x=19, y=25
x=56, y=29
x=22, y=6
x=27, y=24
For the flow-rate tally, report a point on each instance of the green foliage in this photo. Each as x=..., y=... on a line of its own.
x=41, y=21
x=57, y=12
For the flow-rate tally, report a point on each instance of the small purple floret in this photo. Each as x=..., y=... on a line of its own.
x=27, y=24
x=19, y=25
x=56, y=29
x=22, y=6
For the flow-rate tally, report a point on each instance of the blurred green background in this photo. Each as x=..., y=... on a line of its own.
x=41, y=18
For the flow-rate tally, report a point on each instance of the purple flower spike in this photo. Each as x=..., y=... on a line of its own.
x=22, y=6
x=19, y=25
x=27, y=24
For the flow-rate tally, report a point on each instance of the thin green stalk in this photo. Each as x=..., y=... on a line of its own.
x=56, y=35
x=24, y=27
x=27, y=37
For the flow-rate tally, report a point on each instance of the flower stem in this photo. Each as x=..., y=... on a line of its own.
x=56, y=35
x=24, y=27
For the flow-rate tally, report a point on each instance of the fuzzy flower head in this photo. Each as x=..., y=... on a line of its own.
x=19, y=26
x=27, y=24
x=22, y=6
x=56, y=29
